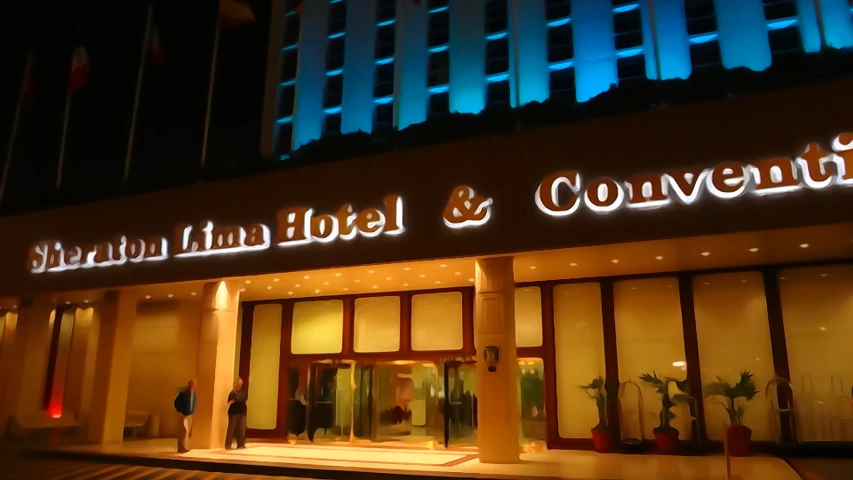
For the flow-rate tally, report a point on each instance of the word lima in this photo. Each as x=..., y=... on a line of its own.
x=561, y=194
x=296, y=226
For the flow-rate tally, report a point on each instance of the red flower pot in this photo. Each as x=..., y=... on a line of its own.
x=601, y=440
x=739, y=438
x=666, y=439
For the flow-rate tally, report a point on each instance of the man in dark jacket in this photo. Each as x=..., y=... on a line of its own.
x=236, y=416
x=185, y=406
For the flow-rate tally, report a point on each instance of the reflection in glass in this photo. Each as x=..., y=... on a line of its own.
x=330, y=402
x=460, y=383
x=406, y=407
x=531, y=376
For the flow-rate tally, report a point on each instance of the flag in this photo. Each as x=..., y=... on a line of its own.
x=79, y=70
x=156, y=47
x=233, y=13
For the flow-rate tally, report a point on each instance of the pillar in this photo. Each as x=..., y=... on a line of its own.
x=113, y=317
x=81, y=364
x=215, y=371
x=497, y=387
x=8, y=366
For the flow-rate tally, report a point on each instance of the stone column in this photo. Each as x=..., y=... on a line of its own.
x=215, y=371
x=9, y=367
x=113, y=318
x=497, y=388
x=81, y=364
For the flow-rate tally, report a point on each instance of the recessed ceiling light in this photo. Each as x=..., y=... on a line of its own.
x=170, y=295
x=706, y=283
x=633, y=288
x=317, y=290
x=783, y=278
x=14, y=306
x=824, y=274
x=275, y=279
x=659, y=257
x=68, y=302
x=242, y=289
x=457, y=273
x=822, y=329
x=438, y=282
x=405, y=284
x=338, y=274
x=615, y=260
x=193, y=294
x=423, y=275
x=248, y=282
x=346, y=289
x=705, y=254
x=306, y=277
x=744, y=281
x=357, y=281
x=804, y=245
x=753, y=249
x=289, y=294
x=470, y=280
x=533, y=267
x=669, y=286
x=388, y=278
x=269, y=287
x=325, y=283
x=406, y=269
x=298, y=285
x=371, y=271
x=443, y=265
x=375, y=287
x=147, y=297
x=573, y=264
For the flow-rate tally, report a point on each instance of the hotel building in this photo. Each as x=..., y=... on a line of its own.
x=459, y=295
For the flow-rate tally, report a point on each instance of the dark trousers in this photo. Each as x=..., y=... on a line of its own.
x=236, y=429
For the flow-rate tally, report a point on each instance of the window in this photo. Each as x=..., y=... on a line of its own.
x=817, y=310
x=628, y=28
x=785, y=40
x=496, y=16
x=377, y=324
x=631, y=68
x=579, y=342
x=318, y=327
x=437, y=321
x=778, y=9
x=557, y=9
x=701, y=16
x=705, y=55
x=383, y=119
x=385, y=41
x=563, y=83
x=338, y=17
x=292, y=28
x=497, y=56
x=332, y=124
x=734, y=335
x=335, y=53
x=386, y=10
x=528, y=317
x=263, y=366
x=498, y=93
x=561, y=45
x=286, y=100
x=439, y=69
x=439, y=103
x=334, y=91
x=383, y=81
x=439, y=28
x=289, y=65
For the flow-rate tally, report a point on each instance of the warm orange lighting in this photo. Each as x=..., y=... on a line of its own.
x=423, y=275
x=443, y=265
x=317, y=290
x=193, y=294
x=371, y=271
x=338, y=274
x=357, y=281
x=68, y=302
x=56, y=415
x=248, y=282
x=147, y=297
x=346, y=289
x=276, y=280
x=242, y=290
x=269, y=287
x=388, y=278
x=375, y=287
x=289, y=294
x=470, y=280
x=804, y=245
x=705, y=254
x=615, y=260
x=325, y=283
x=532, y=267
x=573, y=264
x=405, y=284
x=406, y=269
x=753, y=249
x=298, y=285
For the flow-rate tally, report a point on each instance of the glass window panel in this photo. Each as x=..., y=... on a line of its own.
x=63, y=357
x=437, y=321
x=531, y=399
x=318, y=327
x=649, y=339
x=377, y=324
x=734, y=335
x=817, y=309
x=579, y=342
x=263, y=367
x=528, y=317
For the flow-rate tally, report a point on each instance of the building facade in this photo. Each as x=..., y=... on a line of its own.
x=461, y=294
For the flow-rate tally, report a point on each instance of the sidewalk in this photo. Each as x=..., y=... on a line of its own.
x=330, y=462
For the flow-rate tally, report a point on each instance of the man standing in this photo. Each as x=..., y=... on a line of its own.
x=185, y=406
x=236, y=416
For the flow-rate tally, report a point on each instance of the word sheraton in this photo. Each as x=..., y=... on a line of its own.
x=561, y=194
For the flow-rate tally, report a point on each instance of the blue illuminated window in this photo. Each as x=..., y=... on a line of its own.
x=338, y=17
x=701, y=16
x=630, y=69
x=778, y=9
x=383, y=81
x=497, y=56
x=332, y=124
x=496, y=16
x=385, y=10
x=704, y=55
x=561, y=45
x=290, y=58
x=498, y=94
x=439, y=69
x=334, y=91
x=439, y=103
x=292, y=28
x=563, y=83
x=385, y=36
x=335, y=53
x=628, y=28
x=383, y=119
x=557, y=9
x=439, y=28
x=286, y=100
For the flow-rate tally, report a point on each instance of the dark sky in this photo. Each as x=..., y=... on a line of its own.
x=172, y=105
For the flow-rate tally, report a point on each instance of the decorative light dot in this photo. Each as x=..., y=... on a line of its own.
x=753, y=249
x=170, y=295
x=276, y=279
x=289, y=294
x=615, y=260
x=388, y=278
x=405, y=284
x=533, y=267
x=470, y=280
x=573, y=264
x=193, y=294
x=824, y=274
x=317, y=290
x=242, y=289
x=633, y=288
x=325, y=283
x=248, y=282
x=438, y=282
x=443, y=265
x=147, y=297
x=307, y=277
x=68, y=302
x=406, y=269
x=423, y=275
x=706, y=283
x=357, y=281
x=371, y=271
x=375, y=287
x=659, y=257
x=783, y=278
x=269, y=287
x=338, y=274
x=705, y=254
x=743, y=280
x=14, y=306
x=298, y=285
x=86, y=300
x=822, y=329
x=457, y=273
x=804, y=245
x=346, y=289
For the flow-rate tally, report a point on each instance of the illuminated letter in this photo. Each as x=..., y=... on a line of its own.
x=647, y=191
x=227, y=237
x=257, y=235
x=54, y=257
x=155, y=249
x=813, y=164
x=394, y=215
x=37, y=258
x=604, y=195
x=117, y=256
x=685, y=183
x=843, y=146
x=727, y=180
x=183, y=243
x=548, y=194
x=72, y=258
x=346, y=218
x=369, y=222
x=324, y=228
x=776, y=175
x=134, y=250
x=293, y=227
x=103, y=253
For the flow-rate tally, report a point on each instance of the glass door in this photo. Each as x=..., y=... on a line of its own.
x=329, y=402
x=460, y=406
x=363, y=402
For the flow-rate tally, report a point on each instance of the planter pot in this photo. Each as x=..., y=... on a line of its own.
x=666, y=439
x=602, y=441
x=739, y=438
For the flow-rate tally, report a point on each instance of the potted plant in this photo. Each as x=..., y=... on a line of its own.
x=738, y=435
x=601, y=438
x=666, y=436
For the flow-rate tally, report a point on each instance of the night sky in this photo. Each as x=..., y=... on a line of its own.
x=172, y=105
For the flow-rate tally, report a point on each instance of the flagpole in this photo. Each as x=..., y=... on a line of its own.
x=146, y=39
x=63, y=140
x=210, y=89
x=11, y=148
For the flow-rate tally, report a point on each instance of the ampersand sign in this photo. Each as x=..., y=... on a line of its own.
x=466, y=209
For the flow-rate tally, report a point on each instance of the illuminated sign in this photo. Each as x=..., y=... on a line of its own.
x=466, y=209
x=563, y=193
x=54, y=257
